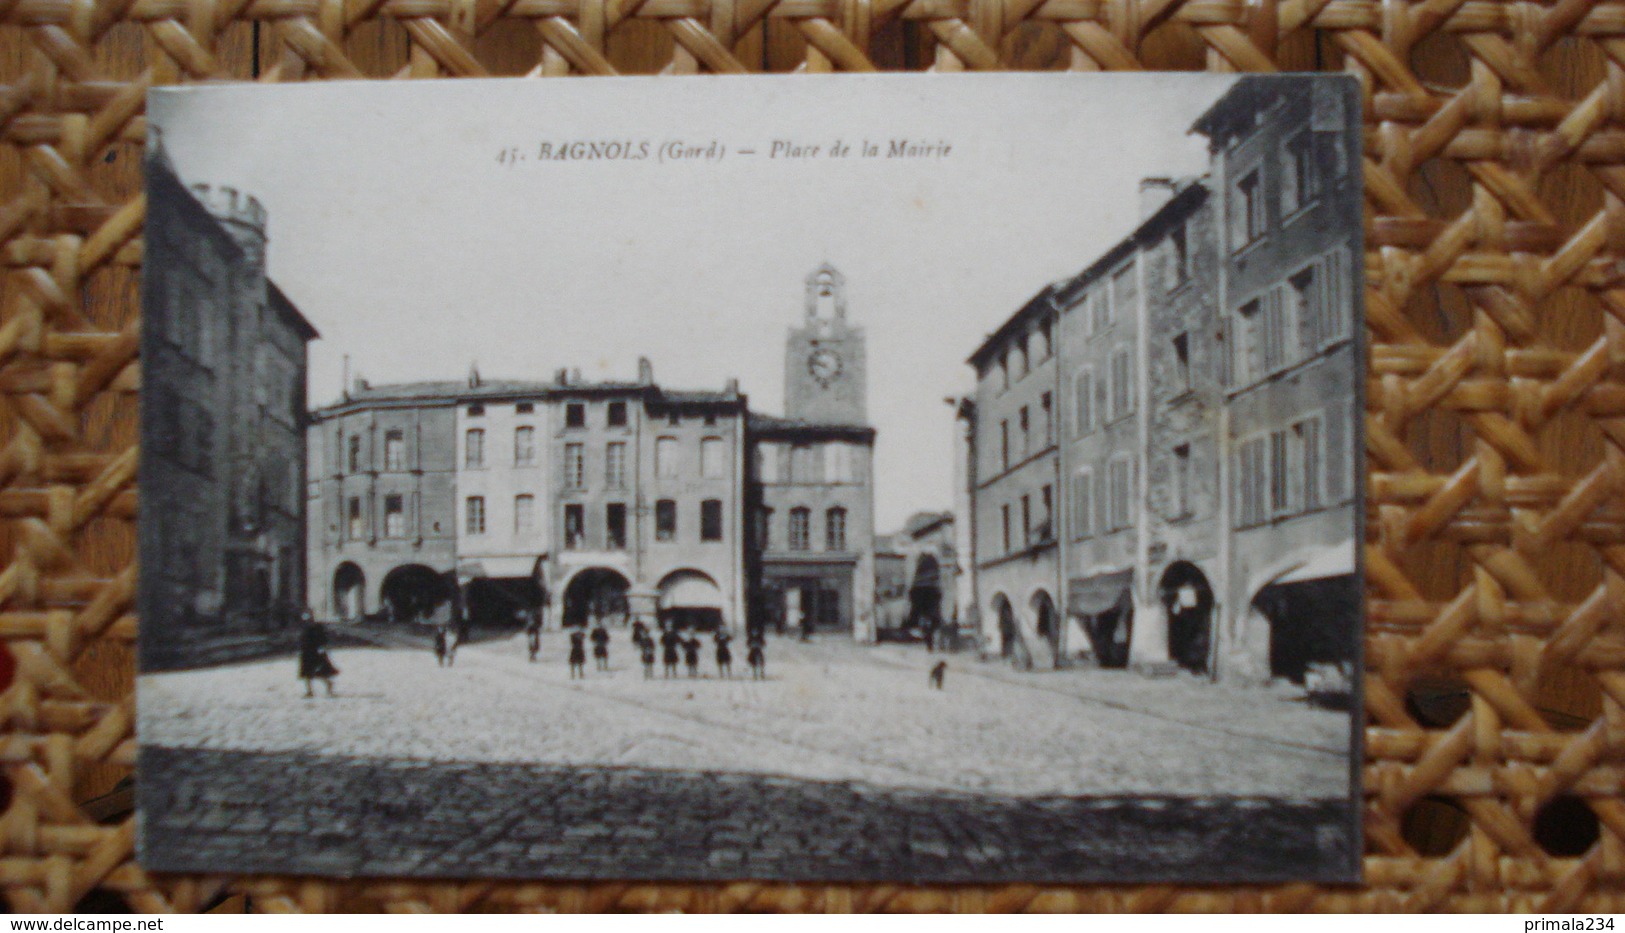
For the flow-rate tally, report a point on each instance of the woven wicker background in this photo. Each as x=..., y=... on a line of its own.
x=1496, y=251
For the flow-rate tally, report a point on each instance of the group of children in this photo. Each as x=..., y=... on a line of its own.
x=673, y=646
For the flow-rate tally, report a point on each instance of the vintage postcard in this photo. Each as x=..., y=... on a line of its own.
x=903, y=478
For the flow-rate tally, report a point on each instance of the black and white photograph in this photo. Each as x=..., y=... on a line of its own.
x=897, y=478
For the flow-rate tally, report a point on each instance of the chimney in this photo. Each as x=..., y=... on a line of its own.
x=646, y=371
x=474, y=380
x=1154, y=193
x=575, y=377
x=562, y=377
x=732, y=388
x=361, y=385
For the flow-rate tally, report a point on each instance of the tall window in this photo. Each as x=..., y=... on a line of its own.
x=355, y=453
x=394, y=451
x=1004, y=370
x=1303, y=297
x=1083, y=503
x=1004, y=444
x=764, y=527
x=615, y=526
x=1046, y=405
x=575, y=526
x=1044, y=340
x=666, y=520
x=666, y=466
x=1309, y=455
x=1018, y=359
x=1046, y=514
x=1279, y=474
x=1120, y=490
x=712, y=458
x=524, y=445
x=835, y=529
x=394, y=517
x=839, y=463
x=1276, y=329
x=575, y=415
x=1299, y=181
x=1122, y=387
x=474, y=449
x=357, y=531
x=1182, y=363
x=1025, y=422
x=1179, y=257
x=524, y=514
x=711, y=520
x=1247, y=217
x=1181, y=505
x=804, y=465
x=474, y=515
x=1004, y=513
x=1123, y=289
x=1251, y=483
x=767, y=463
x=575, y=466
x=1083, y=387
x=1026, y=521
x=1100, y=311
x=800, y=529
x=617, y=414
x=615, y=465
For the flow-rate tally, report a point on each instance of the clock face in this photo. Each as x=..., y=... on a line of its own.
x=825, y=365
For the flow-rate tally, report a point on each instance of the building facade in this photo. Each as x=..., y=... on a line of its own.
x=1209, y=370
x=223, y=409
x=1014, y=488
x=813, y=481
x=1286, y=168
x=383, y=534
x=917, y=576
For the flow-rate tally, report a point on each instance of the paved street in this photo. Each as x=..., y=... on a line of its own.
x=831, y=711
x=843, y=765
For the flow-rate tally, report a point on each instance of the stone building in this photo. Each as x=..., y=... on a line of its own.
x=383, y=503
x=649, y=502
x=813, y=486
x=917, y=575
x=1139, y=337
x=575, y=500
x=223, y=409
x=1285, y=168
x=1015, y=481
x=1208, y=371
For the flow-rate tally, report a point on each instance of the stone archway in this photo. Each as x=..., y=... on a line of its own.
x=414, y=594
x=1046, y=622
x=925, y=594
x=690, y=599
x=1188, y=598
x=349, y=592
x=596, y=594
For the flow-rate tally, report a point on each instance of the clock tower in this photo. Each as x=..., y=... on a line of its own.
x=824, y=363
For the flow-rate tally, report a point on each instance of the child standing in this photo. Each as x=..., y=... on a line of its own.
x=578, y=655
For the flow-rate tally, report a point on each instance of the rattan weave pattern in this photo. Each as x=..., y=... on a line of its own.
x=1495, y=176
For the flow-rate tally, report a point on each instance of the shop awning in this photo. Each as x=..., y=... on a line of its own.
x=1102, y=592
x=506, y=566
x=1334, y=560
x=690, y=593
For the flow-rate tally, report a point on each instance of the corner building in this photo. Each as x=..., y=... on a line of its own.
x=223, y=430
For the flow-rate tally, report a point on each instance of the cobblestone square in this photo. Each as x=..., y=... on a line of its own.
x=843, y=764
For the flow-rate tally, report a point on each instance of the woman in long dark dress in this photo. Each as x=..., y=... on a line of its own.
x=314, y=664
x=600, y=647
x=691, y=655
x=725, y=656
x=578, y=655
x=670, y=642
